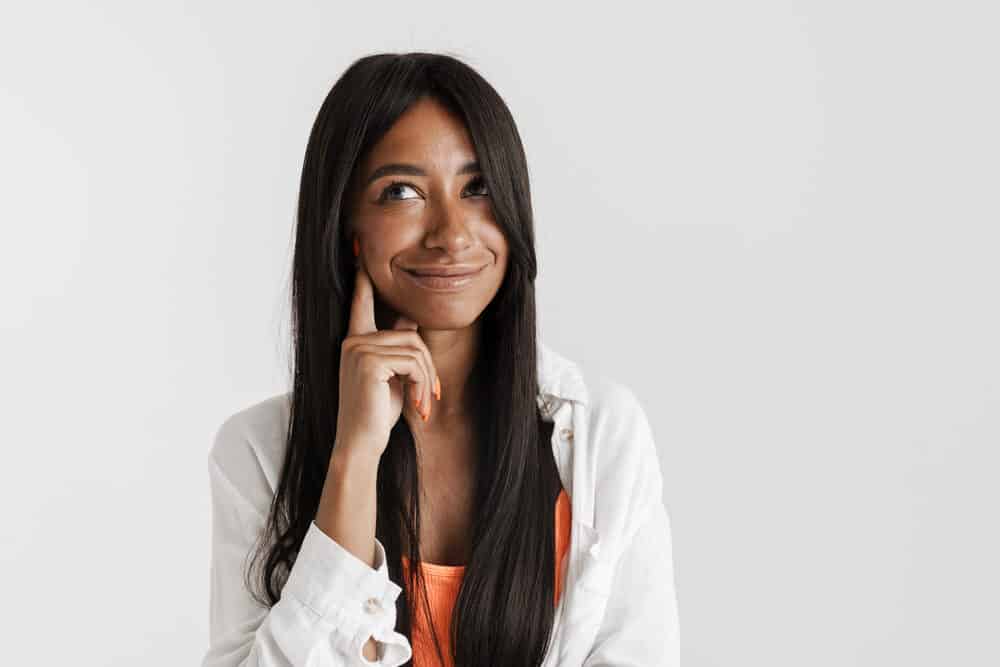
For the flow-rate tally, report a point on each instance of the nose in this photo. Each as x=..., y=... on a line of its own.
x=451, y=229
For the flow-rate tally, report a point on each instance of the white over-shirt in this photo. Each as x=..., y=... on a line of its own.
x=618, y=605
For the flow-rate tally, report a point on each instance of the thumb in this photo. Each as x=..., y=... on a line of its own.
x=404, y=322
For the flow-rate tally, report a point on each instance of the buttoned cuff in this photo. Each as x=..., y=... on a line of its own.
x=391, y=647
x=357, y=600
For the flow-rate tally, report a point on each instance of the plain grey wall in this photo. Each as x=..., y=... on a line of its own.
x=777, y=222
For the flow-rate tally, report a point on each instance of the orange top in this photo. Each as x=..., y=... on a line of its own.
x=443, y=582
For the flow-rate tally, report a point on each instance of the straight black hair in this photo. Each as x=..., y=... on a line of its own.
x=504, y=611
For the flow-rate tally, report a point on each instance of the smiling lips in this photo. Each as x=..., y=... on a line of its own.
x=455, y=270
x=444, y=278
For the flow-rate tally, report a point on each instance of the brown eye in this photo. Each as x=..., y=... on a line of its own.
x=395, y=186
x=479, y=184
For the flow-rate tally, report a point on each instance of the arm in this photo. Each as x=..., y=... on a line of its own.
x=640, y=625
x=323, y=617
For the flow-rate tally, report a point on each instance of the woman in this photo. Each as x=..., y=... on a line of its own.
x=427, y=424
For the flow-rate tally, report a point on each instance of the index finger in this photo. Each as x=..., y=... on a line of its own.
x=362, y=318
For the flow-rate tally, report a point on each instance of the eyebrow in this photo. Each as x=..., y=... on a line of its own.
x=414, y=170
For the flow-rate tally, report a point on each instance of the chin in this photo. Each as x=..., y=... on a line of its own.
x=446, y=318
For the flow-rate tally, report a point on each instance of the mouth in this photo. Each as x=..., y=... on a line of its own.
x=443, y=279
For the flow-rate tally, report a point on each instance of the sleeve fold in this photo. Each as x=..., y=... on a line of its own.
x=331, y=603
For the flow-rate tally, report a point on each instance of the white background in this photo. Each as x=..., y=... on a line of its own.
x=777, y=222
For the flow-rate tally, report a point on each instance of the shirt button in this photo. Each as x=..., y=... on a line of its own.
x=372, y=605
x=595, y=549
x=567, y=434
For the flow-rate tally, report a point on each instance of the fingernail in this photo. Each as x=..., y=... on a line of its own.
x=437, y=388
x=357, y=247
x=427, y=416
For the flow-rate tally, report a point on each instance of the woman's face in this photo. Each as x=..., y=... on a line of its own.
x=420, y=203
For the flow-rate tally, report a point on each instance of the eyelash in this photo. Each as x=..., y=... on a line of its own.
x=383, y=198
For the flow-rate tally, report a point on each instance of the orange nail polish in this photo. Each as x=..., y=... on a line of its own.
x=437, y=388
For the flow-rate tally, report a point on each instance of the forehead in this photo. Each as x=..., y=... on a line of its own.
x=426, y=134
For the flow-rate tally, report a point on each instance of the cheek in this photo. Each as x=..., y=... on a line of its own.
x=502, y=256
x=496, y=242
x=383, y=246
x=378, y=257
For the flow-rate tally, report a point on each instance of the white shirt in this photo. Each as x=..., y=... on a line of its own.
x=618, y=605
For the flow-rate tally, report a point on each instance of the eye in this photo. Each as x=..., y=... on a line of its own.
x=479, y=183
x=395, y=185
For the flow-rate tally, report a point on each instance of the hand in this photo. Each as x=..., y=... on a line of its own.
x=377, y=371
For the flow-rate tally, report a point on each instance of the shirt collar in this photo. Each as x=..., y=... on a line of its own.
x=558, y=376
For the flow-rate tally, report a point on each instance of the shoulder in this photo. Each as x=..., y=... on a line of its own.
x=619, y=430
x=617, y=438
x=621, y=449
x=611, y=403
x=248, y=447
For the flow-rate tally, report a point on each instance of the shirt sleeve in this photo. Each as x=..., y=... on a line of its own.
x=332, y=601
x=640, y=625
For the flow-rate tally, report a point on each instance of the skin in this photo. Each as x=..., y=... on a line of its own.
x=441, y=217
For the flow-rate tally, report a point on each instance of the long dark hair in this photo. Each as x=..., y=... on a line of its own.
x=504, y=611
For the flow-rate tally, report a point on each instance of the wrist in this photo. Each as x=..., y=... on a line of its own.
x=354, y=457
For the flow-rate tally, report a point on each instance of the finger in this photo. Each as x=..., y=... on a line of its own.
x=435, y=381
x=405, y=366
x=404, y=323
x=410, y=339
x=362, y=318
x=398, y=361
